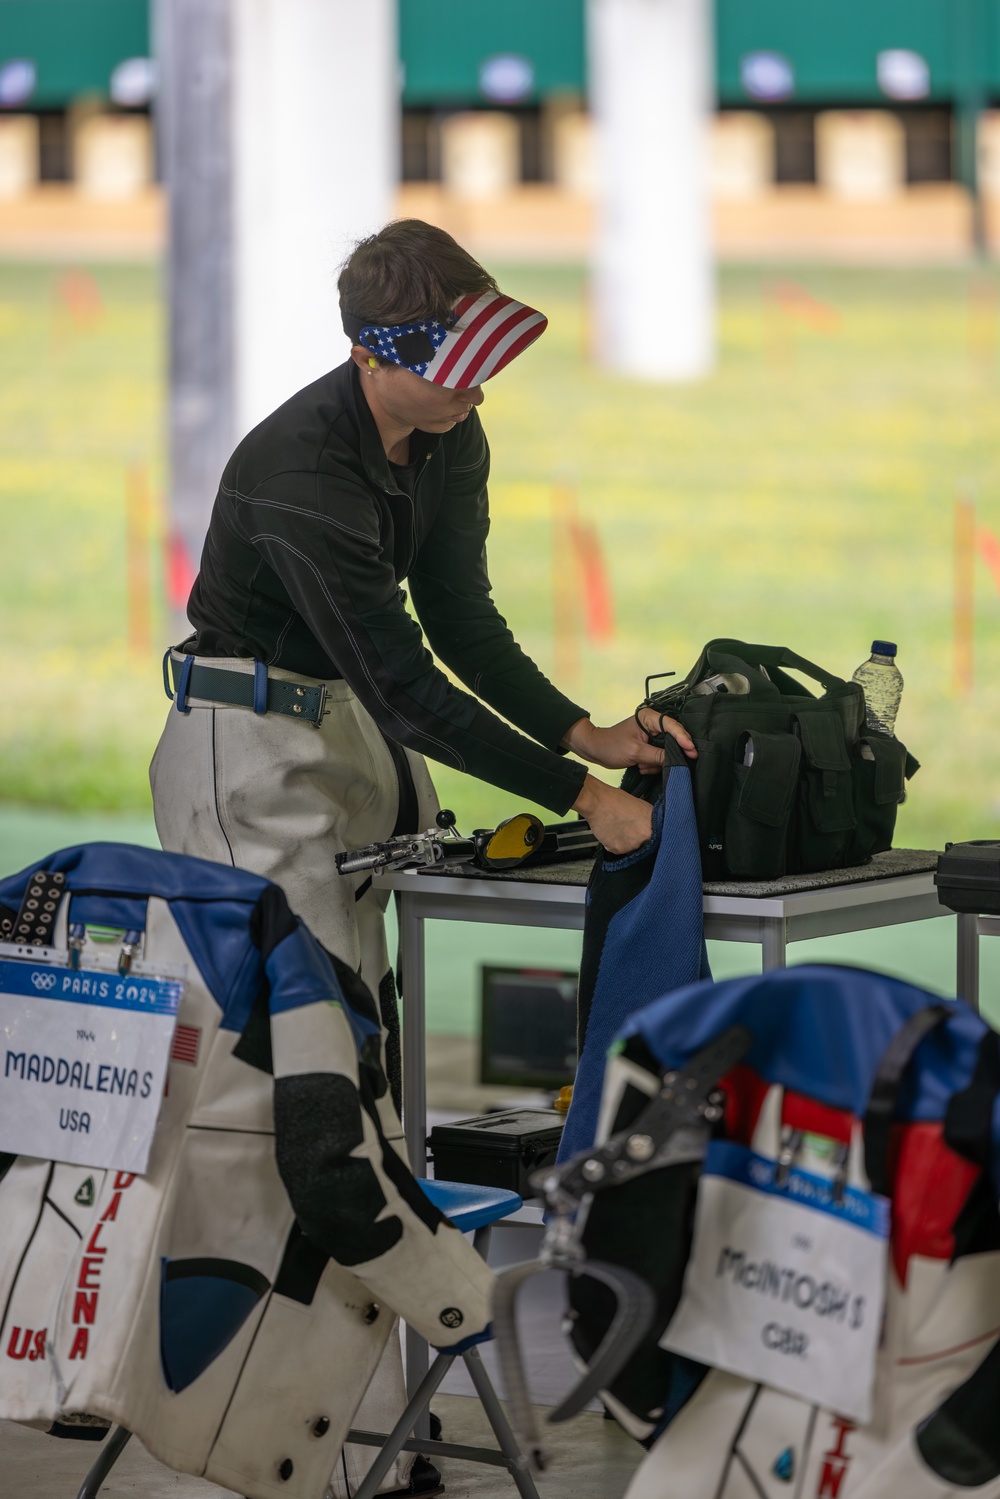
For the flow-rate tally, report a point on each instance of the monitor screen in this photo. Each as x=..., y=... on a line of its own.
x=528, y=1027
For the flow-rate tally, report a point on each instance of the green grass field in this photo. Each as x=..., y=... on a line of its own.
x=803, y=495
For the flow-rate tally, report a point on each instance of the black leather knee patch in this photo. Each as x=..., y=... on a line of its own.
x=336, y=1197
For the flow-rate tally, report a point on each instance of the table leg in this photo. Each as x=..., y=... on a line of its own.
x=772, y=943
x=967, y=960
x=412, y=959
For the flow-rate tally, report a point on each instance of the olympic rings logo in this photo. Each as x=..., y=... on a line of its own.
x=43, y=980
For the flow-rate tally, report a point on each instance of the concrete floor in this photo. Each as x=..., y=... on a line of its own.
x=591, y=1459
x=35, y=1466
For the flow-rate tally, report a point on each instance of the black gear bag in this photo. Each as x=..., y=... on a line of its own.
x=785, y=782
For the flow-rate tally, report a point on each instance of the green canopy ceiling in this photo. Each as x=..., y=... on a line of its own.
x=74, y=44
x=831, y=45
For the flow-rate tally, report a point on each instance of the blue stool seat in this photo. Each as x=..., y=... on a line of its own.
x=468, y=1206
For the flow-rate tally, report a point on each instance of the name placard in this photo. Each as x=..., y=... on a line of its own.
x=785, y=1284
x=83, y=1057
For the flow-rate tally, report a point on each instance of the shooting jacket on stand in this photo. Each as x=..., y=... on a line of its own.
x=819, y=1034
x=230, y=1305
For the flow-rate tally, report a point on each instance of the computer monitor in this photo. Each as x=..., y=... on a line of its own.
x=528, y=1027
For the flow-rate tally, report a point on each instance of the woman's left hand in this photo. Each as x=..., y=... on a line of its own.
x=626, y=743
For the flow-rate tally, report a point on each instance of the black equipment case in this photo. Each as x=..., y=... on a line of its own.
x=968, y=877
x=497, y=1150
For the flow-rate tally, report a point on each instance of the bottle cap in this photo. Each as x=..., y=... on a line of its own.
x=883, y=648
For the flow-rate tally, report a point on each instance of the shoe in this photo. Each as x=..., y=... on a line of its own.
x=425, y=1482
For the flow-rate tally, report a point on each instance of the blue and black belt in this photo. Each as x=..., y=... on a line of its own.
x=241, y=689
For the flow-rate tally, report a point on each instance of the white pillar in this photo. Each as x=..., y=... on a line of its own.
x=278, y=124
x=315, y=144
x=650, y=93
x=193, y=50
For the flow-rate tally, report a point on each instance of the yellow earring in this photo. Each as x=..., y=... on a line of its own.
x=372, y=363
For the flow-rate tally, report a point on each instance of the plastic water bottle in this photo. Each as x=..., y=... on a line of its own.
x=883, y=686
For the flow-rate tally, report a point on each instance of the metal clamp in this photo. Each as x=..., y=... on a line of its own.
x=673, y=1128
x=76, y=941
x=127, y=951
x=791, y=1144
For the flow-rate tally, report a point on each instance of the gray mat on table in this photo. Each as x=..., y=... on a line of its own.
x=890, y=865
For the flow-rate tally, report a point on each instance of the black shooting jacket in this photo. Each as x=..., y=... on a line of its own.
x=310, y=539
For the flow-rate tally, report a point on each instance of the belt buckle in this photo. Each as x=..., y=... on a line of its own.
x=299, y=709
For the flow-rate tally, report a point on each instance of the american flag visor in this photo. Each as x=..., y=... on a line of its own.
x=487, y=331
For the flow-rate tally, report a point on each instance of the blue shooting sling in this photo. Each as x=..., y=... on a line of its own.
x=643, y=936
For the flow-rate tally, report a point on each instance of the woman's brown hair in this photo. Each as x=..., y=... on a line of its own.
x=406, y=271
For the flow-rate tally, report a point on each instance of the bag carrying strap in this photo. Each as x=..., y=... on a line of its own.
x=673, y=755
x=772, y=656
x=968, y=1122
x=884, y=1094
x=665, y=698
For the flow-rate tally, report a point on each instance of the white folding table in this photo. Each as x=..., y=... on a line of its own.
x=897, y=886
x=890, y=890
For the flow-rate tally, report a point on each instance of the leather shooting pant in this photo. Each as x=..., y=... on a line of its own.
x=281, y=799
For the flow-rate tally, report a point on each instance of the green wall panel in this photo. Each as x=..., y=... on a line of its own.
x=444, y=43
x=833, y=44
x=75, y=44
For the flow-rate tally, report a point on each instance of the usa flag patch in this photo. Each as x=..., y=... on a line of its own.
x=187, y=1039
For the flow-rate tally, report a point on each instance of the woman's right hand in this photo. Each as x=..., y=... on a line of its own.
x=619, y=821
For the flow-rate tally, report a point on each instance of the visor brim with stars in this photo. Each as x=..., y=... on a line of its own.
x=488, y=331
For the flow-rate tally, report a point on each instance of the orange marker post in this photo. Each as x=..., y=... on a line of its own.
x=964, y=603
x=595, y=584
x=79, y=296
x=801, y=306
x=778, y=342
x=989, y=550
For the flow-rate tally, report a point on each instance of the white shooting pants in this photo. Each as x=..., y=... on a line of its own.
x=281, y=798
